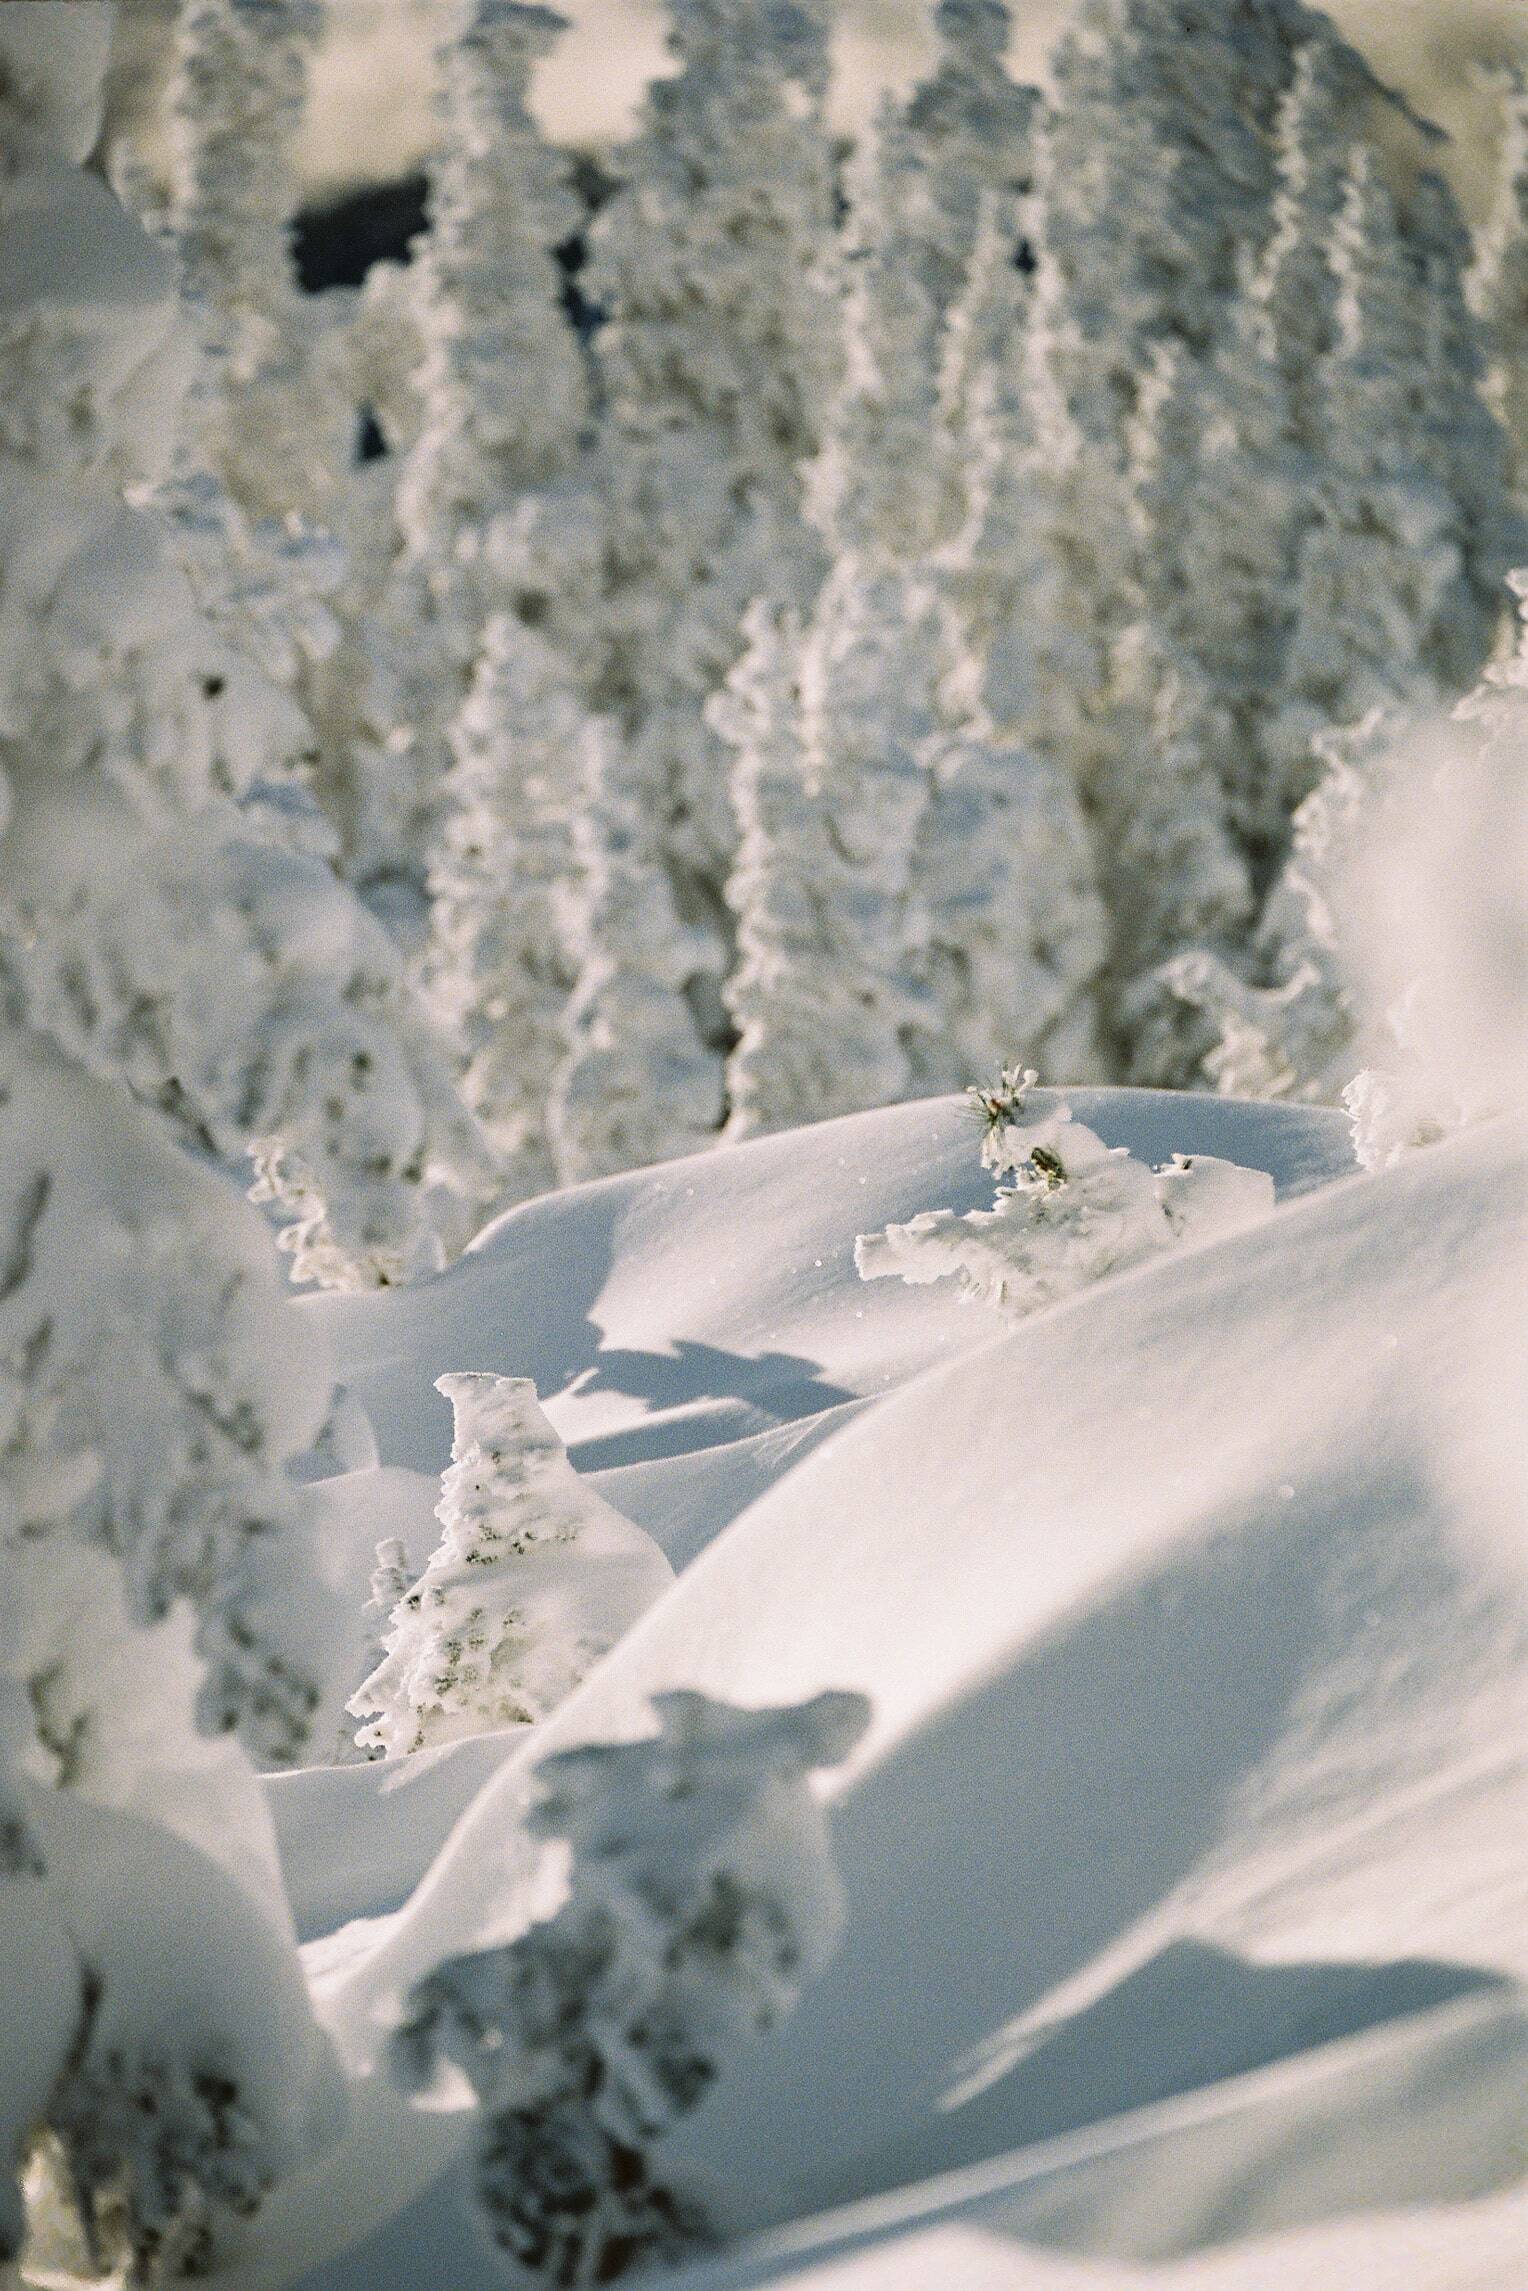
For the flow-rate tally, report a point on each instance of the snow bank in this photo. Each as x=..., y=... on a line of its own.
x=715, y=1298
x=1195, y=1696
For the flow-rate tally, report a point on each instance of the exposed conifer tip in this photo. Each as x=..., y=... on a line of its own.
x=995, y=1105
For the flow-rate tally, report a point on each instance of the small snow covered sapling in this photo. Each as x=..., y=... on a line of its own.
x=1069, y=1210
x=534, y=1578
x=701, y=1901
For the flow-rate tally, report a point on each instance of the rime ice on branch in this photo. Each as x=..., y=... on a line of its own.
x=701, y=1902
x=1072, y=1211
x=535, y=1577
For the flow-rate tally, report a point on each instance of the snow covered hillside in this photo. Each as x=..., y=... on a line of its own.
x=1198, y=1678
x=634, y=1642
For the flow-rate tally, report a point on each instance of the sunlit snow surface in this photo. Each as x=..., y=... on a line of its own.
x=1185, y=1860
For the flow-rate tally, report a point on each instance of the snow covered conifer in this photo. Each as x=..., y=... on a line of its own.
x=502, y=386
x=1013, y=928
x=636, y=1083
x=838, y=928
x=868, y=681
x=1498, y=284
x=502, y=396
x=1290, y=285
x=1072, y=1211
x=156, y=923
x=822, y=992
x=1162, y=172
x=502, y=885
x=153, y=1387
x=970, y=124
x=535, y=1577
x=1012, y=932
x=701, y=1902
x=263, y=414
x=875, y=486
x=1397, y=588
x=1041, y=552
x=715, y=363
x=773, y=1076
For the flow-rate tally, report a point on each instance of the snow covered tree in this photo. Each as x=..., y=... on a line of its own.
x=1036, y=568
x=1286, y=302
x=1013, y=927
x=636, y=1084
x=822, y=990
x=1498, y=284
x=1162, y=173
x=535, y=1577
x=701, y=1902
x=164, y=2067
x=970, y=124
x=1396, y=595
x=263, y=414
x=1012, y=931
x=1072, y=1211
x=875, y=487
x=867, y=682
x=842, y=853
x=715, y=364
x=158, y=920
x=154, y=1386
x=502, y=386
x=502, y=889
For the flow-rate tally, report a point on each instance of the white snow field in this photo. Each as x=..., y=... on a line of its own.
x=1184, y=1858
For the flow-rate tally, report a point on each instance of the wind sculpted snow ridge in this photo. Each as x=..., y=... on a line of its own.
x=1196, y=1678
x=714, y=1298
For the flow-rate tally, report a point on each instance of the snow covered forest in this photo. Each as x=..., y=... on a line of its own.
x=951, y=1705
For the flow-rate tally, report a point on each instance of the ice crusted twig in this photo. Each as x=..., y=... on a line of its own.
x=701, y=1902
x=1073, y=1210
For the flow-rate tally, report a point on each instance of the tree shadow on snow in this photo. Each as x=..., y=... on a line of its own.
x=753, y=1392
x=1190, y=2017
x=1024, y=1831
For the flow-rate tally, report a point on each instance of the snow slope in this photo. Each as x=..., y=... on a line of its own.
x=1190, y=1826
x=694, y=1332
x=710, y=1299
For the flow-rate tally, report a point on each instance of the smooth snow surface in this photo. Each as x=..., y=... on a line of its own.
x=1187, y=1900
x=712, y=1299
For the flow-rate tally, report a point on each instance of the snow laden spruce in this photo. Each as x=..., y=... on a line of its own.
x=1069, y=1211
x=701, y=1902
x=535, y=1578
x=1087, y=457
